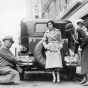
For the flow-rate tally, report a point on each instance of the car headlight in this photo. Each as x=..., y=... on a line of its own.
x=23, y=48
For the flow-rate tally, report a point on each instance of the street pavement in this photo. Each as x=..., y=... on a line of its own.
x=44, y=84
x=44, y=80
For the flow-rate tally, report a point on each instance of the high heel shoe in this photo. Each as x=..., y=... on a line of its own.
x=86, y=83
x=54, y=81
x=83, y=81
x=58, y=81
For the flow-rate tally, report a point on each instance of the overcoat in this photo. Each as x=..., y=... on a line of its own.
x=7, y=61
x=84, y=56
x=52, y=39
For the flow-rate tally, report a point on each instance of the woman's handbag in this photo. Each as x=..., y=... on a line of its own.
x=84, y=42
x=72, y=60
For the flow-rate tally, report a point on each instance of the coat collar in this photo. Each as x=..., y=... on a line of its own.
x=55, y=30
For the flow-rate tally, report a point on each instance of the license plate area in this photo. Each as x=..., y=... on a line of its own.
x=24, y=58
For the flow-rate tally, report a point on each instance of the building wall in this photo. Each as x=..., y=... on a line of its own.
x=29, y=7
x=67, y=9
x=57, y=8
x=34, y=9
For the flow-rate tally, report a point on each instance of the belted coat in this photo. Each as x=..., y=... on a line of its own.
x=52, y=39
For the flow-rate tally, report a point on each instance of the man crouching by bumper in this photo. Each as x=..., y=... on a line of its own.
x=7, y=62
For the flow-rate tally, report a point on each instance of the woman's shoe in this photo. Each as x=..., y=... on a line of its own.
x=58, y=81
x=83, y=81
x=85, y=84
x=54, y=81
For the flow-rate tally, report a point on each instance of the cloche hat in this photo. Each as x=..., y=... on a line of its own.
x=69, y=27
x=80, y=21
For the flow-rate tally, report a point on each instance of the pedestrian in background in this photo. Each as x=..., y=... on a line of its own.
x=82, y=42
x=7, y=62
x=53, y=44
x=81, y=25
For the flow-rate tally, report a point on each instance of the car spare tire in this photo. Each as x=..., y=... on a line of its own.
x=39, y=54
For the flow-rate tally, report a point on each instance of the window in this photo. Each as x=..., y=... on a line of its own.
x=36, y=16
x=40, y=27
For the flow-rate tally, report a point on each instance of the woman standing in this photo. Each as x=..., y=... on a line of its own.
x=82, y=42
x=53, y=45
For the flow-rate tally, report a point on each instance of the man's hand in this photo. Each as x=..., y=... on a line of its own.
x=19, y=60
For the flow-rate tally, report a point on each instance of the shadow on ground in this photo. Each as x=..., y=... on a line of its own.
x=31, y=76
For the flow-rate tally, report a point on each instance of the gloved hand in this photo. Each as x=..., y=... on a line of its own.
x=47, y=47
x=71, y=52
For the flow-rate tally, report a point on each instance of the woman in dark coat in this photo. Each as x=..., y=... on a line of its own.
x=81, y=39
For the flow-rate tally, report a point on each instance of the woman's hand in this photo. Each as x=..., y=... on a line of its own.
x=59, y=48
x=71, y=52
x=47, y=47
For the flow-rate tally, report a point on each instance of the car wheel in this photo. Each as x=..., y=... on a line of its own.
x=71, y=72
x=22, y=75
x=39, y=54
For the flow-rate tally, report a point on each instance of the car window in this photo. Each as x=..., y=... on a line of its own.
x=40, y=27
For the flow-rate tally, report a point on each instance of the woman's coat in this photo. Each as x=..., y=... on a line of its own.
x=84, y=57
x=53, y=40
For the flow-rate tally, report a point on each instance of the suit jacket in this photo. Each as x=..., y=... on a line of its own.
x=6, y=57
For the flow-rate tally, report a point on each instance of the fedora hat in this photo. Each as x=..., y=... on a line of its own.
x=69, y=27
x=8, y=38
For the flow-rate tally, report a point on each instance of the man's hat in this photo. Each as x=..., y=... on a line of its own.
x=69, y=27
x=8, y=38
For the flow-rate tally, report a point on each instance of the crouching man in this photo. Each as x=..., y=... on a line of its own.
x=7, y=62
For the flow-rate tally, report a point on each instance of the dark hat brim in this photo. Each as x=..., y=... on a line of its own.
x=69, y=29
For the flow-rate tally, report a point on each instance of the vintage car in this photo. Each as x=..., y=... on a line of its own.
x=32, y=50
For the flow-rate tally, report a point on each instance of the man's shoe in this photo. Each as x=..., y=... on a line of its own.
x=85, y=84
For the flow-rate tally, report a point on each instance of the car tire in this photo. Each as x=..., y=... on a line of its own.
x=39, y=54
x=71, y=72
x=22, y=75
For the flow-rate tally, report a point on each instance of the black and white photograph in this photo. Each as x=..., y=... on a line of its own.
x=43, y=43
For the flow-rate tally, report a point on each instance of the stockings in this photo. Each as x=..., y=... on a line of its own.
x=53, y=73
x=54, y=76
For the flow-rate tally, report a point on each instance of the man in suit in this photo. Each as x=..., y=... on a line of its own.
x=7, y=62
